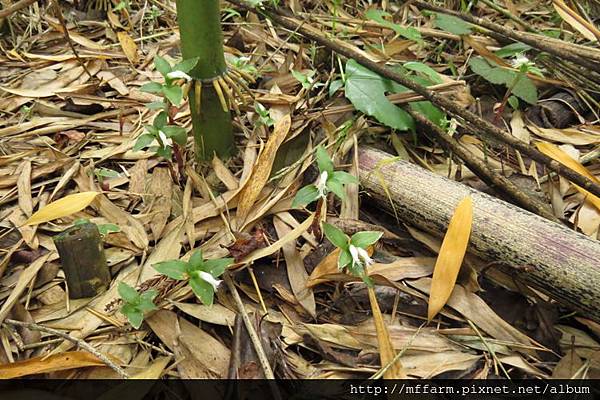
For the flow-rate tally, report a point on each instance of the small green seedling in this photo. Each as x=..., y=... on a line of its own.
x=102, y=173
x=202, y=274
x=163, y=131
x=264, y=116
x=353, y=250
x=104, y=229
x=329, y=181
x=307, y=81
x=136, y=304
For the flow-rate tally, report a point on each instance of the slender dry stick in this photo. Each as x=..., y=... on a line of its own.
x=472, y=122
x=260, y=352
x=80, y=343
x=492, y=178
x=16, y=7
x=63, y=24
x=536, y=41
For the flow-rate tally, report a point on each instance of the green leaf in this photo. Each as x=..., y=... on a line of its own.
x=324, y=161
x=186, y=65
x=173, y=93
x=177, y=133
x=147, y=300
x=430, y=111
x=164, y=152
x=134, y=316
x=334, y=86
x=407, y=32
x=81, y=221
x=107, y=173
x=344, y=177
x=162, y=66
x=425, y=69
x=143, y=141
x=152, y=87
x=366, y=90
x=156, y=105
x=344, y=259
x=512, y=49
x=196, y=261
x=521, y=85
x=514, y=102
x=452, y=24
x=365, y=239
x=127, y=293
x=217, y=266
x=160, y=120
x=174, y=269
x=336, y=236
x=105, y=229
x=203, y=290
x=306, y=195
x=336, y=187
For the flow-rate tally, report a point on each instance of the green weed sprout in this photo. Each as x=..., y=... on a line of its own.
x=136, y=304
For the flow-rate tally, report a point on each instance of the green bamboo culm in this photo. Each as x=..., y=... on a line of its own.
x=201, y=36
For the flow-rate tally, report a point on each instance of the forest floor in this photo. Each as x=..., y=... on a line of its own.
x=72, y=108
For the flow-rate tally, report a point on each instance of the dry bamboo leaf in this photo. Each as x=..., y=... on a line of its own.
x=386, y=349
x=571, y=17
x=42, y=365
x=160, y=200
x=450, y=257
x=269, y=250
x=63, y=207
x=573, y=136
x=562, y=157
x=24, y=189
x=295, y=270
x=155, y=370
x=260, y=174
x=214, y=314
x=24, y=279
x=129, y=47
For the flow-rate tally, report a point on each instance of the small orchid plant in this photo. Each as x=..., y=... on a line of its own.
x=163, y=130
x=200, y=273
x=135, y=304
x=353, y=250
x=328, y=181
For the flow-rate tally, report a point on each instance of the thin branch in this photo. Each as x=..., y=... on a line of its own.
x=80, y=343
x=16, y=7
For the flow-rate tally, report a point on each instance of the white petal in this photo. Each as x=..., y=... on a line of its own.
x=322, y=182
x=179, y=75
x=362, y=253
x=164, y=139
x=210, y=279
x=354, y=253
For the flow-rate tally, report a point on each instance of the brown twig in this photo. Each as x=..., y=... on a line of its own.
x=473, y=122
x=19, y=5
x=479, y=168
x=63, y=24
x=80, y=343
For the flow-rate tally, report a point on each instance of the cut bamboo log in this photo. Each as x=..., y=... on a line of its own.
x=83, y=260
x=556, y=260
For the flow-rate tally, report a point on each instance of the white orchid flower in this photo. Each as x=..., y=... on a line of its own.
x=321, y=184
x=206, y=277
x=520, y=60
x=179, y=75
x=360, y=256
x=164, y=139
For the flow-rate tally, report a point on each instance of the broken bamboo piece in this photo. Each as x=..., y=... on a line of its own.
x=556, y=260
x=83, y=260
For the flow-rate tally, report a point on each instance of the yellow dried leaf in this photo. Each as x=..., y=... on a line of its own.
x=386, y=349
x=260, y=174
x=129, y=47
x=450, y=257
x=578, y=23
x=41, y=365
x=62, y=207
x=557, y=154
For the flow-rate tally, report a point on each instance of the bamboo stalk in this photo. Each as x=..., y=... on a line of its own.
x=201, y=36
